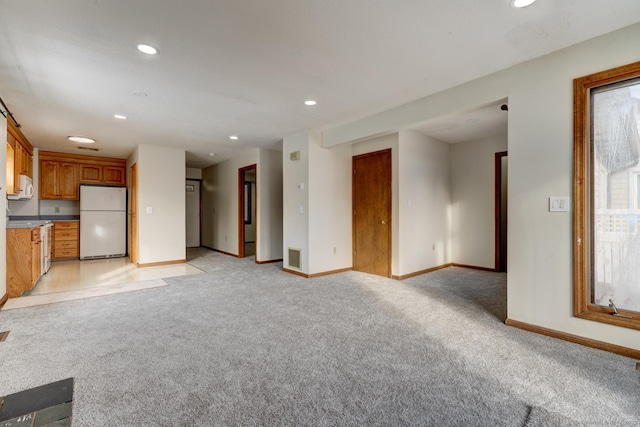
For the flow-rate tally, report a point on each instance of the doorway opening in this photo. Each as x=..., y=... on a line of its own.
x=247, y=212
x=501, y=186
x=193, y=211
x=372, y=213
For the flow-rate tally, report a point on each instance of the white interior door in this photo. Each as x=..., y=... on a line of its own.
x=193, y=213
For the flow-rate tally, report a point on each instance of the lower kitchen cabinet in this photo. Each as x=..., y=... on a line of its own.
x=66, y=236
x=23, y=259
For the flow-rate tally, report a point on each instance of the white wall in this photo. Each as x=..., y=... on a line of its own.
x=377, y=144
x=193, y=173
x=330, y=218
x=3, y=212
x=220, y=202
x=473, y=200
x=295, y=232
x=269, y=206
x=540, y=133
x=424, y=200
x=161, y=181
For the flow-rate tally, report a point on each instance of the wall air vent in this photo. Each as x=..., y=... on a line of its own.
x=295, y=258
x=88, y=148
x=294, y=155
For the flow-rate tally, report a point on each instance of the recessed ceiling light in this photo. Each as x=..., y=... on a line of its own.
x=120, y=116
x=149, y=50
x=521, y=3
x=212, y=154
x=82, y=139
x=310, y=102
x=234, y=137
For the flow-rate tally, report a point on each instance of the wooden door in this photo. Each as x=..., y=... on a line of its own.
x=372, y=213
x=247, y=215
x=133, y=216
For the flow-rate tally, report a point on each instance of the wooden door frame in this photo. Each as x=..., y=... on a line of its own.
x=133, y=215
x=241, y=171
x=390, y=205
x=498, y=208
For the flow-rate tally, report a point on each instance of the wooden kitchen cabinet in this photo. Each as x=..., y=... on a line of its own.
x=19, y=157
x=61, y=174
x=66, y=238
x=58, y=180
x=23, y=259
x=102, y=174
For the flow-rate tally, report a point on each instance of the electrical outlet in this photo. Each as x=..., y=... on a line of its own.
x=334, y=249
x=225, y=238
x=56, y=209
x=433, y=247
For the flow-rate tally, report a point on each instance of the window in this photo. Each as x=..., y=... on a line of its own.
x=606, y=196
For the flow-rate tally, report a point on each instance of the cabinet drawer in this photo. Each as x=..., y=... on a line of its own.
x=65, y=253
x=65, y=244
x=66, y=235
x=66, y=225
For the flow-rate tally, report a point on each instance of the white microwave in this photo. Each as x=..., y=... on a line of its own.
x=25, y=186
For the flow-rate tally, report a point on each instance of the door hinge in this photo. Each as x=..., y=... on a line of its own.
x=354, y=171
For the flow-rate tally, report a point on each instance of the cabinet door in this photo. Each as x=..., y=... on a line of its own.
x=19, y=154
x=68, y=181
x=36, y=265
x=28, y=164
x=10, y=161
x=91, y=174
x=113, y=175
x=48, y=179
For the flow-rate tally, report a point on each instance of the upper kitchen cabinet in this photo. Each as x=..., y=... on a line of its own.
x=104, y=174
x=58, y=180
x=19, y=157
x=61, y=173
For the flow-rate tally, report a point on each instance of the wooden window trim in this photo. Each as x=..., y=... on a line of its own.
x=582, y=233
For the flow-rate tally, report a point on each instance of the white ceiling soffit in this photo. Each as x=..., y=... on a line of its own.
x=245, y=67
x=469, y=125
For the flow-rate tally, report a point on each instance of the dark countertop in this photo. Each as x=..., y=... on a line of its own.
x=30, y=221
x=44, y=217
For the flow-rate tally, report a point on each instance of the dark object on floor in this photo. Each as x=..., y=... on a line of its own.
x=49, y=404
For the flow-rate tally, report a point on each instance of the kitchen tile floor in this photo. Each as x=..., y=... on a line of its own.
x=76, y=275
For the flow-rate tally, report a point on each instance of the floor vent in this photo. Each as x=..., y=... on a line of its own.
x=3, y=335
x=295, y=260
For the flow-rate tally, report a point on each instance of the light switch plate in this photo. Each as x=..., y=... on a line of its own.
x=559, y=204
x=149, y=209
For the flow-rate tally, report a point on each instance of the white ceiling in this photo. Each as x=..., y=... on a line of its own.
x=244, y=67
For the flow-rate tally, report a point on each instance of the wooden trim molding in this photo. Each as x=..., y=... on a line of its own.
x=222, y=252
x=418, y=273
x=311, y=276
x=268, y=261
x=4, y=299
x=498, y=208
x=156, y=264
x=81, y=158
x=583, y=232
x=588, y=342
x=474, y=267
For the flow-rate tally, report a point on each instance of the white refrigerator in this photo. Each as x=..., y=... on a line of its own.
x=103, y=222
